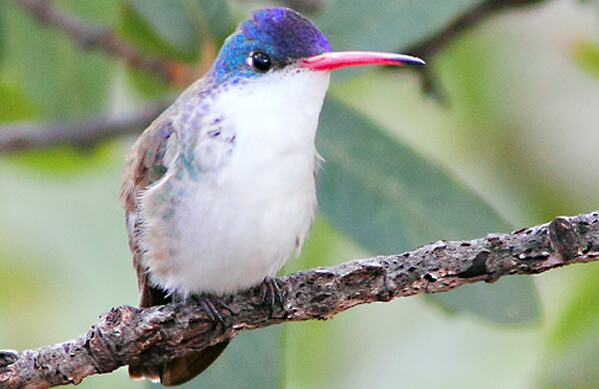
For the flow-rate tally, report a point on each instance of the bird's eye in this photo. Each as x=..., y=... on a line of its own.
x=260, y=62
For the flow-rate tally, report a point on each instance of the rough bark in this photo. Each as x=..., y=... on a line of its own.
x=127, y=335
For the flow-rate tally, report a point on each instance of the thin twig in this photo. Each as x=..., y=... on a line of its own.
x=96, y=37
x=462, y=23
x=22, y=136
x=127, y=335
x=439, y=41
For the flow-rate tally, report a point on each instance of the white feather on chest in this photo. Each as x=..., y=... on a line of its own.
x=252, y=203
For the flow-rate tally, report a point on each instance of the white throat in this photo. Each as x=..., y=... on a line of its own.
x=279, y=110
x=254, y=204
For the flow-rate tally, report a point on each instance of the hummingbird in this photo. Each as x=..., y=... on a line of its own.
x=219, y=190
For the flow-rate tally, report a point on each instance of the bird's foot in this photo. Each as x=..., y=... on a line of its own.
x=272, y=294
x=209, y=303
x=8, y=357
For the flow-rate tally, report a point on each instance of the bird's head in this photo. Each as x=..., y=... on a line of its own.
x=275, y=38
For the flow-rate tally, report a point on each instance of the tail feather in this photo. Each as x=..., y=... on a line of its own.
x=151, y=373
x=179, y=370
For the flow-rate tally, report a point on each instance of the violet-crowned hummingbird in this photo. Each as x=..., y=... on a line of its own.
x=219, y=190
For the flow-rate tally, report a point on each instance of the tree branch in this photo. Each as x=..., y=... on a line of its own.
x=426, y=48
x=463, y=23
x=128, y=335
x=95, y=37
x=22, y=136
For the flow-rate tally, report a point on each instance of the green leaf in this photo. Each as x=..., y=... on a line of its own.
x=170, y=24
x=135, y=29
x=512, y=300
x=573, y=367
x=390, y=199
x=53, y=72
x=18, y=284
x=217, y=16
x=147, y=84
x=581, y=317
x=252, y=360
x=46, y=75
x=64, y=159
x=176, y=28
x=371, y=178
x=573, y=352
x=586, y=54
x=103, y=12
x=386, y=25
x=20, y=107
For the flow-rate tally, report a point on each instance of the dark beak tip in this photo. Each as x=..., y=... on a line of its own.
x=334, y=60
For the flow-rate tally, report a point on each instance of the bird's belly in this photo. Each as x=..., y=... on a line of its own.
x=228, y=234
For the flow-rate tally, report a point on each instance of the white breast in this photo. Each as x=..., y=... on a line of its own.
x=254, y=203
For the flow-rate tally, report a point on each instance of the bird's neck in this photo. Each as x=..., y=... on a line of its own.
x=277, y=112
x=251, y=125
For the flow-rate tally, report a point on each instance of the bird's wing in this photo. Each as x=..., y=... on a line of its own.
x=149, y=161
x=151, y=157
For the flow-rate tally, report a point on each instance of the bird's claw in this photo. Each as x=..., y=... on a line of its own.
x=208, y=304
x=272, y=294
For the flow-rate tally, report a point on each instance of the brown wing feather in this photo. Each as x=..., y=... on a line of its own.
x=144, y=160
x=146, y=164
x=180, y=370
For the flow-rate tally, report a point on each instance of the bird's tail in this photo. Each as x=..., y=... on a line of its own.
x=179, y=370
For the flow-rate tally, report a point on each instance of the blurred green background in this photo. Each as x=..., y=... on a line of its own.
x=511, y=143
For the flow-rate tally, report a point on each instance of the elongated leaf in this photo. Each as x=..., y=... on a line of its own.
x=103, y=12
x=176, y=28
x=60, y=78
x=252, y=360
x=47, y=76
x=581, y=317
x=572, y=367
x=573, y=346
x=217, y=16
x=171, y=21
x=390, y=199
x=386, y=25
